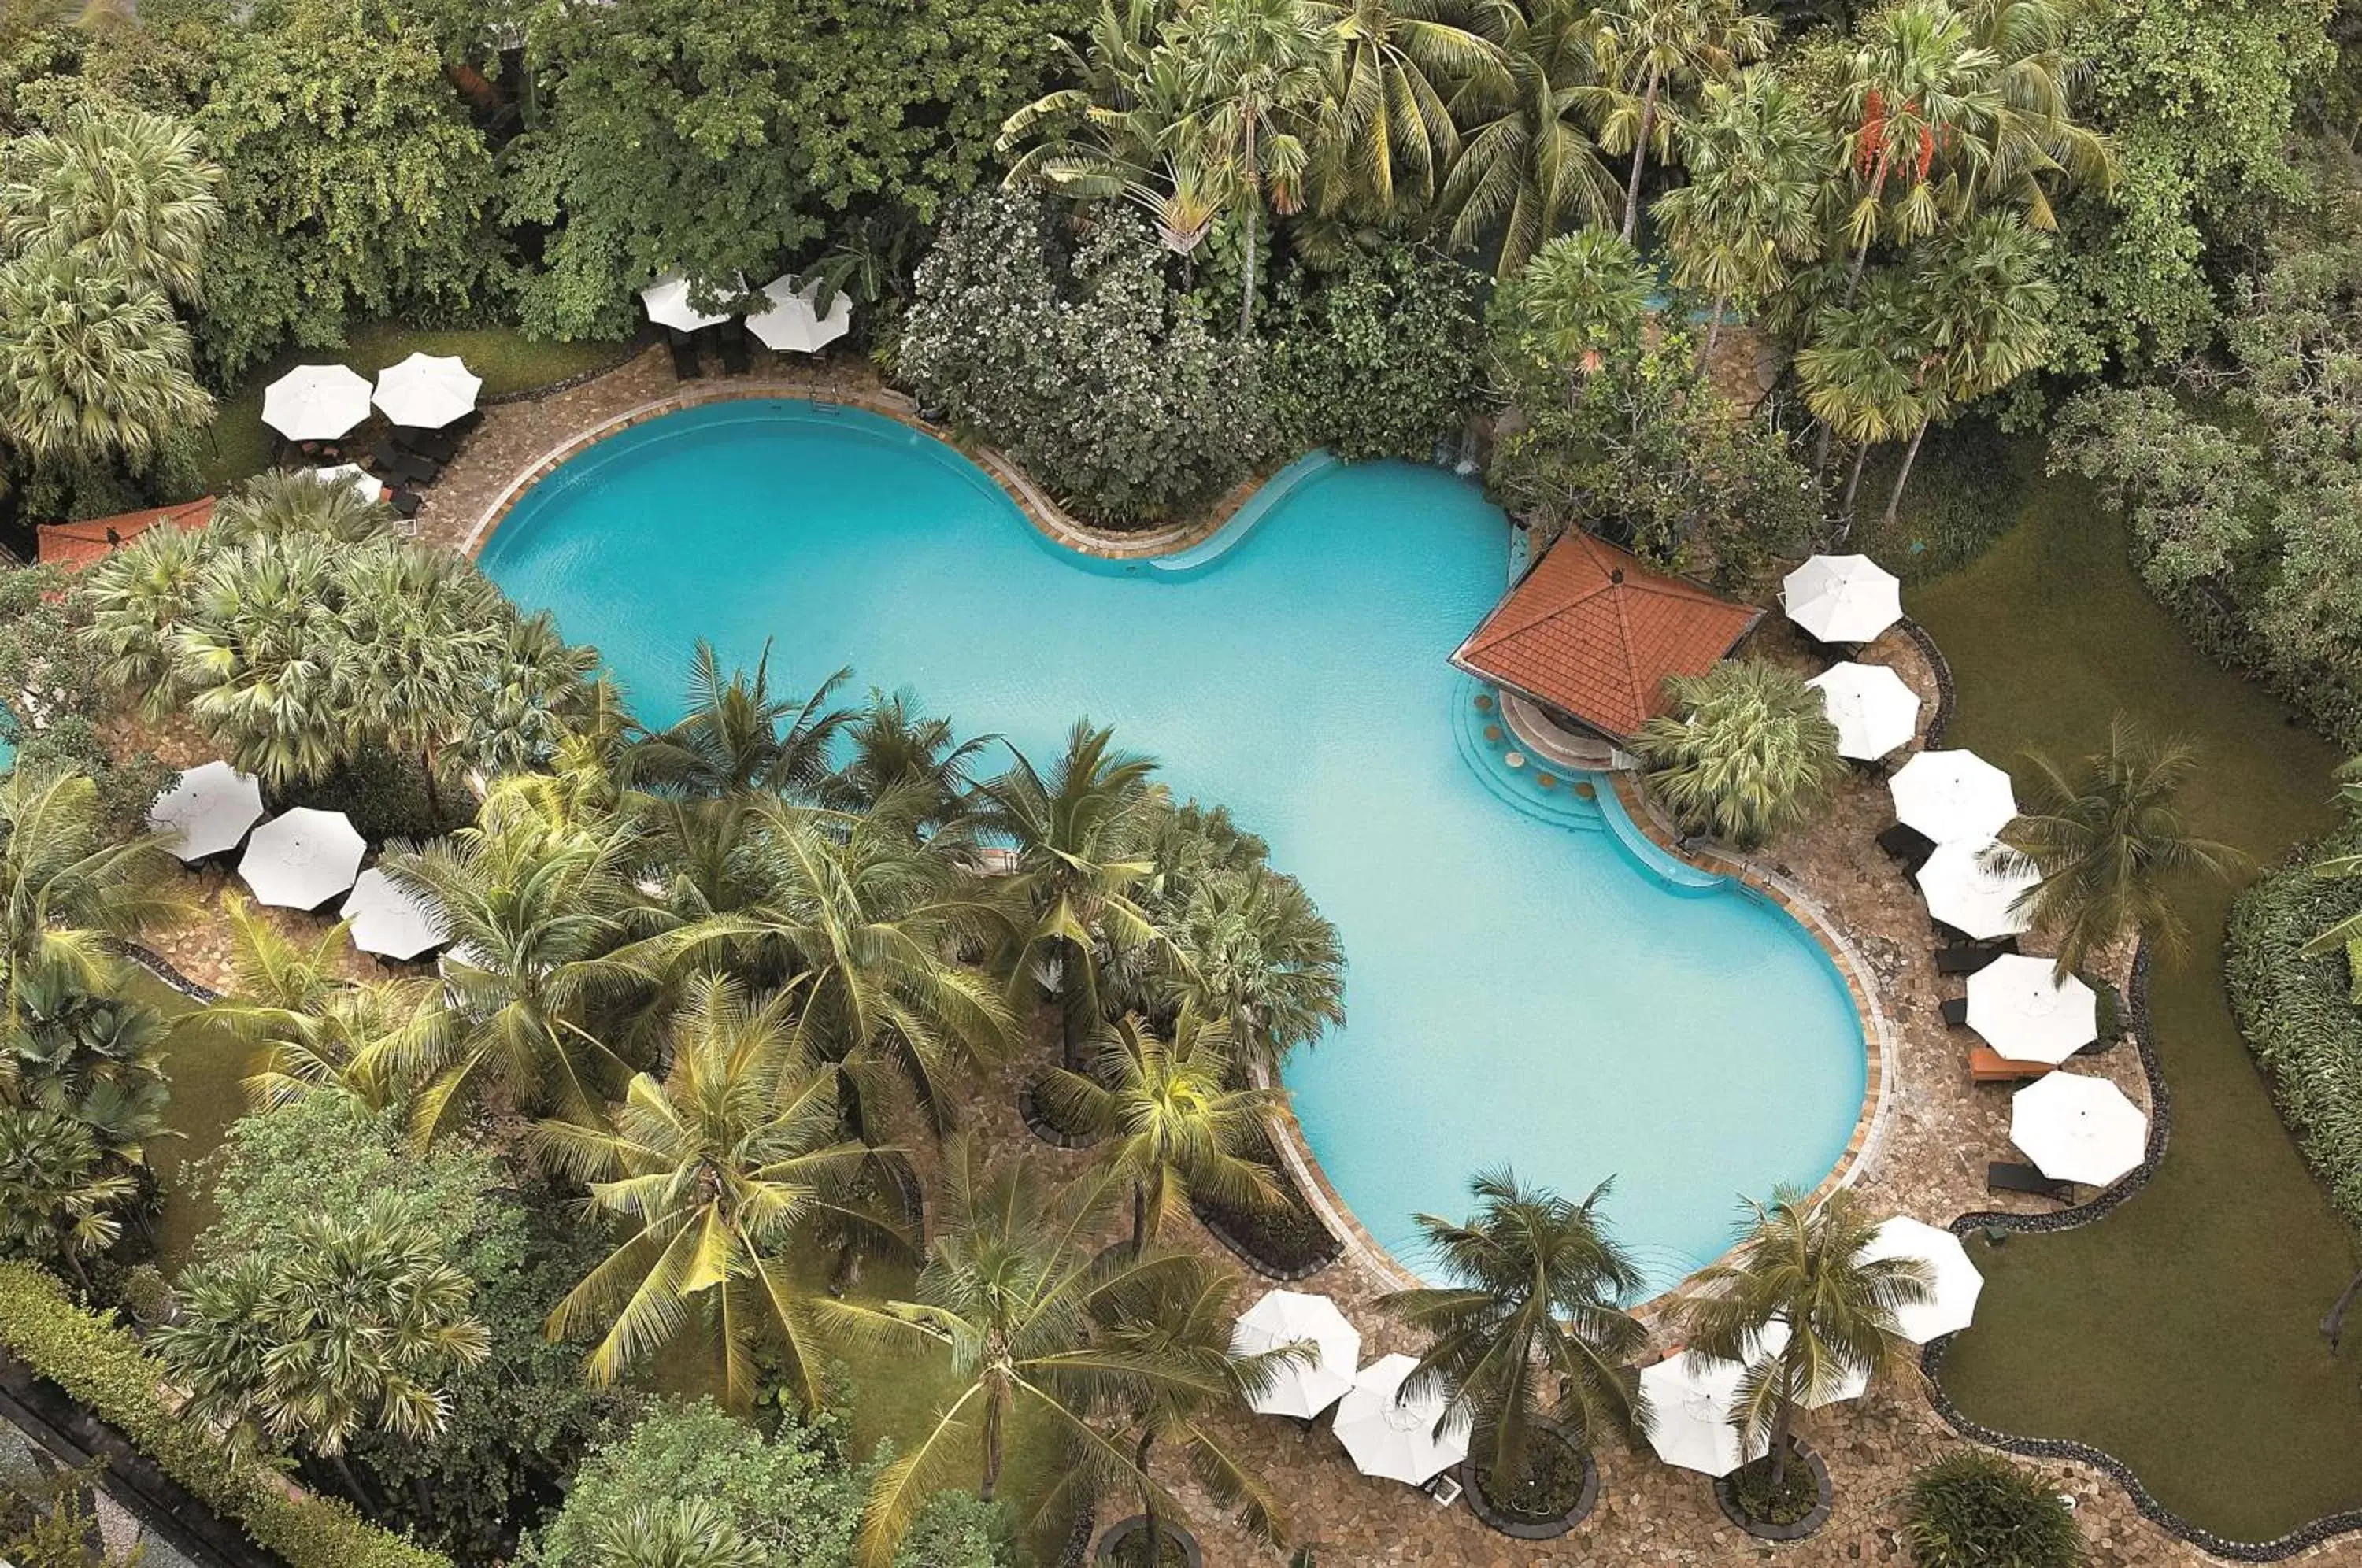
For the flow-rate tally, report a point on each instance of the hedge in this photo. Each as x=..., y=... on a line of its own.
x=2299, y=1016
x=105, y=1368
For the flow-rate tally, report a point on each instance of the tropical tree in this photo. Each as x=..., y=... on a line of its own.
x=1745, y=753
x=2337, y=867
x=1078, y=834
x=67, y=893
x=348, y=1323
x=97, y=1056
x=1386, y=139
x=896, y=746
x=95, y=365
x=60, y=1195
x=1801, y=1308
x=2033, y=139
x=1646, y=47
x=693, y=1533
x=1528, y=169
x=127, y=193
x=713, y=1170
x=1918, y=86
x=312, y=1030
x=1758, y=162
x=2111, y=840
x=1176, y=1123
x=255, y=658
x=733, y=742
x=1531, y=1322
x=1580, y=303
x=1864, y=374
x=422, y=633
x=294, y=501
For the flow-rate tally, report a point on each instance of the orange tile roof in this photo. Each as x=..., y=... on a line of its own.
x=76, y=545
x=1593, y=632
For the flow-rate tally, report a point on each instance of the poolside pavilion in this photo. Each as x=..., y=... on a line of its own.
x=1588, y=637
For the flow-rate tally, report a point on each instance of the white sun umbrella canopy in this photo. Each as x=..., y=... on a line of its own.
x=2027, y=1014
x=360, y=478
x=793, y=321
x=428, y=391
x=1971, y=896
x=1303, y=1388
x=1953, y=1282
x=316, y=403
x=2077, y=1129
x=1842, y=599
x=390, y=919
x=667, y=305
x=1873, y=710
x=1397, y=1440
x=1953, y=796
x=207, y=810
x=301, y=858
x=1689, y=1415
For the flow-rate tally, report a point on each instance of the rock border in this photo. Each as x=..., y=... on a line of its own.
x=1725, y=1497
x=1520, y=1529
x=1947, y=696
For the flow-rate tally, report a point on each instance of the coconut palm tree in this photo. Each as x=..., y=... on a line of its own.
x=1746, y=752
x=1175, y=1121
x=2111, y=840
x=1078, y=835
x=1528, y=169
x=2033, y=139
x=1531, y=1323
x=128, y=193
x=1387, y=137
x=314, y=1031
x=1014, y=1292
x=1758, y=161
x=1646, y=47
x=897, y=746
x=1920, y=85
x=711, y=1171
x=95, y=365
x=731, y=741
x=66, y=892
x=1798, y=1266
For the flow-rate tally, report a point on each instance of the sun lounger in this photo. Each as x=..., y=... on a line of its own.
x=1907, y=845
x=1987, y=1065
x=435, y=446
x=685, y=366
x=2010, y=1176
x=405, y=502
x=1956, y=1012
x=391, y=462
x=1964, y=958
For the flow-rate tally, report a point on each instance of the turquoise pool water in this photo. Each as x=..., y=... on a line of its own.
x=1524, y=989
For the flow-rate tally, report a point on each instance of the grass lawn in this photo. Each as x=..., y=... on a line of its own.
x=239, y=444
x=205, y=1063
x=2178, y=1333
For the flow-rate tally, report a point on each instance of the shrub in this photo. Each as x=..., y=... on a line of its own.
x=1080, y=358
x=1747, y=752
x=102, y=1367
x=1381, y=360
x=1974, y=1509
x=42, y=613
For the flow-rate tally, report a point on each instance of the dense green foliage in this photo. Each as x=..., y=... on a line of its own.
x=1381, y=360
x=1976, y=1510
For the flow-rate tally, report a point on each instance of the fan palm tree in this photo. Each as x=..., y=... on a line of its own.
x=1646, y=47
x=1252, y=950
x=1919, y=86
x=2111, y=840
x=733, y=743
x=1387, y=137
x=1583, y=299
x=1531, y=1324
x=1078, y=835
x=60, y=1195
x=1013, y=1293
x=1865, y=374
x=294, y=501
x=139, y=595
x=713, y=1170
x=69, y=892
x=1746, y=753
x=94, y=365
x=423, y=630
x=257, y=659
x=1758, y=161
x=1528, y=169
x=96, y=1056
x=1798, y=1264
x=1177, y=1124
x=129, y=192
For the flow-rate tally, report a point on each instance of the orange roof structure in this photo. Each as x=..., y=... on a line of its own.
x=76, y=545
x=1591, y=630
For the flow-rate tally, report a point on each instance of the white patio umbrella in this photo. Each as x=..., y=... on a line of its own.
x=1398, y=1440
x=667, y=299
x=1874, y=711
x=301, y=858
x=353, y=474
x=2077, y=1129
x=793, y=320
x=2027, y=1015
x=1953, y=796
x=1289, y=1316
x=316, y=402
x=1842, y=599
x=1953, y=1283
x=208, y=810
x=1689, y=1415
x=428, y=391
x=1971, y=897
x=391, y=920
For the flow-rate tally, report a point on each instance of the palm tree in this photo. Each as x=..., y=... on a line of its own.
x=1530, y=1325
x=1582, y=300
x=60, y=1195
x=97, y=1056
x=1798, y=1264
x=294, y=501
x=130, y=194
x=67, y=893
x=1260, y=70
x=1645, y=47
x=1746, y=752
x=1078, y=835
x=424, y=633
x=1528, y=169
x=257, y=657
x=348, y=1323
x=1387, y=136
x=1177, y=1120
x=897, y=745
x=312, y=1030
x=1865, y=374
x=94, y=365
x=1919, y=86
x=693, y=1533
x=139, y=595
x=1014, y=1294
x=1250, y=950
x=2110, y=843
x=732, y=741
x=2033, y=137
x=1758, y=162
x=713, y=1169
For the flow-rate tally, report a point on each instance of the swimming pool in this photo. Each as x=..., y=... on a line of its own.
x=1523, y=988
